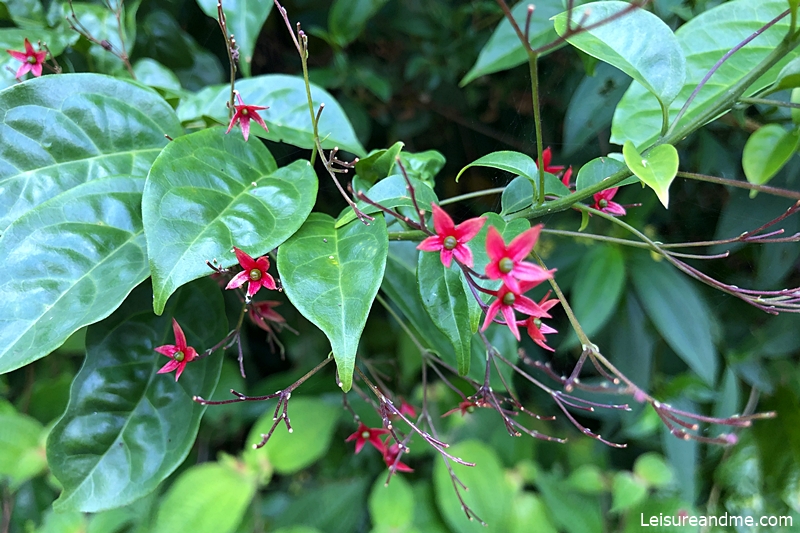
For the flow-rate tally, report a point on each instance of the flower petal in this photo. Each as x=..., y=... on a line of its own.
x=525, y=271
x=511, y=320
x=613, y=208
x=238, y=280
x=463, y=254
x=19, y=56
x=523, y=243
x=169, y=367
x=246, y=262
x=447, y=257
x=525, y=305
x=465, y=231
x=491, y=313
x=257, y=117
x=431, y=244
x=262, y=263
x=25, y=67
x=29, y=50
x=168, y=349
x=180, y=338
x=253, y=287
x=495, y=245
x=181, y=368
x=36, y=69
x=268, y=282
x=244, y=122
x=233, y=121
x=442, y=222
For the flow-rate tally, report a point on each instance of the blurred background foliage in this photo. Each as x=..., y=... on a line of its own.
x=396, y=68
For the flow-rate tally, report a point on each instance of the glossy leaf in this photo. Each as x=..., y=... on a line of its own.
x=287, y=118
x=423, y=166
x=378, y=164
x=518, y=194
x=61, y=131
x=528, y=508
x=657, y=170
x=766, y=151
x=332, y=276
x=154, y=74
x=626, y=491
x=447, y=302
x=591, y=107
x=504, y=49
x=599, y=169
x=391, y=192
x=208, y=192
x=514, y=162
x=789, y=76
x=347, y=18
x=126, y=427
x=313, y=423
x=391, y=506
x=72, y=260
x=571, y=512
x=638, y=43
x=14, y=39
x=678, y=313
x=207, y=498
x=598, y=287
x=704, y=40
x=244, y=19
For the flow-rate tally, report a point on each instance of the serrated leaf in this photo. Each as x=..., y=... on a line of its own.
x=208, y=498
x=638, y=43
x=200, y=200
x=71, y=261
x=766, y=151
x=657, y=170
x=504, y=50
x=126, y=427
x=447, y=302
x=244, y=19
x=391, y=192
x=378, y=164
x=61, y=131
x=287, y=118
x=678, y=313
x=704, y=40
x=332, y=276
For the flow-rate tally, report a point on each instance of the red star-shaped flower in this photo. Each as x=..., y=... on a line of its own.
x=466, y=406
x=262, y=313
x=32, y=60
x=450, y=239
x=536, y=328
x=507, y=301
x=243, y=115
x=179, y=353
x=365, y=434
x=506, y=262
x=390, y=455
x=602, y=202
x=254, y=273
x=547, y=156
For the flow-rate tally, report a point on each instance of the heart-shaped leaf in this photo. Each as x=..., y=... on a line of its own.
x=657, y=170
x=126, y=427
x=392, y=192
x=244, y=19
x=71, y=261
x=638, y=43
x=766, y=151
x=61, y=131
x=208, y=192
x=332, y=276
x=287, y=118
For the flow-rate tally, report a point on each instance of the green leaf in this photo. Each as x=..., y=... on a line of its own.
x=587, y=479
x=652, y=468
x=391, y=192
x=795, y=99
x=392, y=505
x=528, y=508
x=332, y=276
x=657, y=170
x=599, y=169
x=71, y=261
x=678, y=313
x=591, y=107
x=518, y=194
x=347, y=18
x=313, y=423
x=14, y=39
x=26, y=14
x=21, y=456
x=489, y=495
x=154, y=74
x=127, y=428
x=514, y=162
x=447, y=302
x=504, y=50
x=599, y=283
x=572, y=512
x=766, y=151
x=704, y=40
x=378, y=164
x=208, y=498
x=244, y=19
x=638, y=43
x=423, y=166
x=789, y=76
x=61, y=131
x=626, y=491
x=287, y=118
x=208, y=192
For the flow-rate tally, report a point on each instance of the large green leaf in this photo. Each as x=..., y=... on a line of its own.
x=244, y=19
x=766, y=151
x=638, y=43
x=71, y=261
x=679, y=314
x=504, y=49
x=127, y=428
x=378, y=164
x=518, y=194
x=391, y=192
x=14, y=39
x=447, y=301
x=207, y=498
x=61, y=131
x=208, y=192
x=599, y=169
x=514, y=162
x=392, y=506
x=332, y=276
x=704, y=40
x=287, y=118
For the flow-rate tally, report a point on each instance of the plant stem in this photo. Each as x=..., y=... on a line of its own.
x=533, y=64
x=766, y=101
x=775, y=191
x=475, y=194
x=576, y=326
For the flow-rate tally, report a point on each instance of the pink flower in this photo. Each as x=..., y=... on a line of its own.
x=407, y=409
x=262, y=313
x=254, y=273
x=390, y=455
x=32, y=60
x=179, y=353
x=602, y=202
x=507, y=301
x=536, y=329
x=566, y=177
x=451, y=239
x=365, y=434
x=547, y=156
x=466, y=406
x=506, y=262
x=243, y=115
